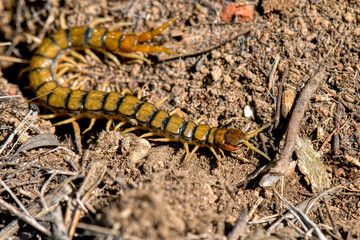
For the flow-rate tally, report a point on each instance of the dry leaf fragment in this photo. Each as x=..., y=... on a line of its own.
x=310, y=164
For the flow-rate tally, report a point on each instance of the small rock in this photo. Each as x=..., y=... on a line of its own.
x=248, y=112
x=349, y=17
x=216, y=73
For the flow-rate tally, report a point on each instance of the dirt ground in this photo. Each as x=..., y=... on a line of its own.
x=104, y=185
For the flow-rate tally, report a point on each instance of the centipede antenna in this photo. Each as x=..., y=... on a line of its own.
x=256, y=132
x=252, y=147
x=15, y=105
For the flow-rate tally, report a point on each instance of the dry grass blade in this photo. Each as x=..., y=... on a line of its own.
x=239, y=227
x=41, y=140
x=29, y=117
x=309, y=204
x=28, y=219
x=35, y=209
x=306, y=223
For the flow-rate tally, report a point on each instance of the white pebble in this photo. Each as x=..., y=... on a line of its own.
x=248, y=112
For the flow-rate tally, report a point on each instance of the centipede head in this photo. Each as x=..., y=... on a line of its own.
x=233, y=139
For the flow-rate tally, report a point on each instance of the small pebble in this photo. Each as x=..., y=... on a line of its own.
x=248, y=112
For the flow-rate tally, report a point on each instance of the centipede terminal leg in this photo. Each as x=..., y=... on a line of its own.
x=148, y=49
x=134, y=55
x=143, y=37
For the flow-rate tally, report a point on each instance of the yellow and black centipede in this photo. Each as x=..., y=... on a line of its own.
x=115, y=106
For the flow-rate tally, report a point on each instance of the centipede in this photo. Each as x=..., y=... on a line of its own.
x=124, y=108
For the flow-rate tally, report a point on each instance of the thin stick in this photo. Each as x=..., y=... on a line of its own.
x=283, y=164
x=28, y=219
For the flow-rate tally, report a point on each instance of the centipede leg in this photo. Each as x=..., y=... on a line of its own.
x=119, y=125
x=158, y=104
x=69, y=60
x=217, y=157
x=49, y=116
x=188, y=156
x=113, y=58
x=62, y=72
x=22, y=71
x=63, y=24
x=178, y=112
x=98, y=21
x=66, y=121
x=130, y=130
x=92, y=122
x=93, y=55
x=108, y=125
x=199, y=120
x=149, y=134
x=78, y=56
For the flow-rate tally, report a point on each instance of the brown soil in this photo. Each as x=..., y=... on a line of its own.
x=146, y=192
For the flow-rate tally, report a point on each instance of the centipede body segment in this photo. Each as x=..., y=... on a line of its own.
x=115, y=106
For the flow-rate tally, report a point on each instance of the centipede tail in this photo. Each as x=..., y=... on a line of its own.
x=115, y=106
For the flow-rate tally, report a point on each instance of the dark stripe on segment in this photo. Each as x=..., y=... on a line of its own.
x=43, y=56
x=67, y=99
x=42, y=84
x=104, y=38
x=119, y=103
x=68, y=38
x=48, y=97
x=211, y=142
x=193, y=134
x=206, y=135
x=183, y=130
x=165, y=122
x=54, y=41
x=87, y=36
x=37, y=69
x=84, y=99
x=104, y=101
x=137, y=108
x=119, y=42
x=153, y=116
